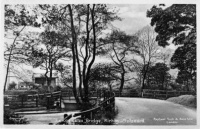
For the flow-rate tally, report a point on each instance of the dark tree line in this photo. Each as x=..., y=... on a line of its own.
x=179, y=23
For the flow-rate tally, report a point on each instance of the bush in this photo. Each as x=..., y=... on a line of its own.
x=42, y=102
x=20, y=92
x=5, y=100
x=186, y=100
x=57, y=88
x=11, y=86
x=45, y=89
x=15, y=105
x=11, y=118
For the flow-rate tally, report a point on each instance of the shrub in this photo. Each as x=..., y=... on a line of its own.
x=5, y=100
x=57, y=88
x=11, y=118
x=15, y=105
x=11, y=86
x=19, y=92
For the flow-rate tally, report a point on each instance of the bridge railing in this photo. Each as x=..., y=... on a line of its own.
x=107, y=104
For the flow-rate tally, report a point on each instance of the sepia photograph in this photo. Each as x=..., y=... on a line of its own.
x=99, y=64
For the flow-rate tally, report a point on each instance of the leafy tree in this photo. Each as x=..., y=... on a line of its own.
x=51, y=47
x=105, y=74
x=121, y=46
x=84, y=25
x=98, y=17
x=65, y=74
x=183, y=79
x=177, y=22
x=92, y=19
x=158, y=75
x=17, y=17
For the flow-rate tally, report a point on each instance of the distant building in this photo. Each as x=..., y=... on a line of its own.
x=39, y=78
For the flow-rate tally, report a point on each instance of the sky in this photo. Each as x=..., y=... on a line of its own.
x=133, y=17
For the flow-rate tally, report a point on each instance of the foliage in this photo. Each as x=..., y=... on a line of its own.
x=11, y=118
x=65, y=74
x=45, y=89
x=158, y=76
x=177, y=22
x=18, y=92
x=17, y=17
x=104, y=73
x=15, y=105
x=184, y=79
x=120, y=46
x=53, y=47
x=57, y=88
x=12, y=86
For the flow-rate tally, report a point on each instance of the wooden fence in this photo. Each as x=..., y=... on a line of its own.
x=163, y=94
x=107, y=103
x=127, y=94
x=31, y=101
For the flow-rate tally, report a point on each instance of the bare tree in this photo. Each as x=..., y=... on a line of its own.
x=148, y=48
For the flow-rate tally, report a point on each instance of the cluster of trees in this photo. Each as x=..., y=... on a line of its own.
x=178, y=23
x=157, y=76
x=74, y=34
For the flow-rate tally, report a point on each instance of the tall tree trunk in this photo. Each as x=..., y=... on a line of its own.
x=8, y=65
x=74, y=41
x=46, y=81
x=7, y=70
x=110, y=86
x=84, y=74
x=121, y=84
x=144, y=76
x=50, y=78
x=79, y=72
x=163, y=82
x=86, y=86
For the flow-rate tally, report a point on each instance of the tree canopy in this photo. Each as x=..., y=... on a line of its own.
x=177, y=23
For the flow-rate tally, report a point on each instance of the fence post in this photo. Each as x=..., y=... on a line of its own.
x=91, y=115
x=47, y=102
x=36, y=97
x=179, y=93
x=166, y=94
x=142, y=93
x=104, y=97
x=69, y=95
x=60, y=100
x=22, y=101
